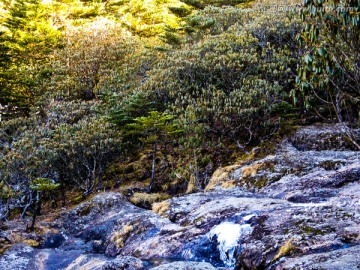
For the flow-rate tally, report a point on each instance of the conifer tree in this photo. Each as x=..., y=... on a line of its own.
x=154, y=129
x=25, y=43
x=40, y=186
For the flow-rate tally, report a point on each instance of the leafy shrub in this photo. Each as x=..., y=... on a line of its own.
x=67, y=142
x=231, y=78
x=89, y=59
x=329, y=75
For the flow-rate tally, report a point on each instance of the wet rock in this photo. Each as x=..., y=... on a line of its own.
x=290, y=210
x=316, y=186
x=97, y=224
x=185, y=266
x=301, y=229
x=322, y=188
x=131, y=231
x=24, y=257
x=103, y=207
x=91, y=262
x=288, y=165
x=54, y=259
x=212, y=208
x=53, y=240
x=298, y=176
x=278, y=227
x=120, y=228
x=197, y=215
x=124, y=262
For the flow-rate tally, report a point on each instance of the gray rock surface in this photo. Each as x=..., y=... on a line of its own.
x=296, y=209
x=333, y=260
x=93, y=262
x=185, y=266
x=18, y=257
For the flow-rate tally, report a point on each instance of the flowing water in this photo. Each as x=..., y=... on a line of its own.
x=228, y=236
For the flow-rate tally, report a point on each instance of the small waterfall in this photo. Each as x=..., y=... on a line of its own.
x=228, y=235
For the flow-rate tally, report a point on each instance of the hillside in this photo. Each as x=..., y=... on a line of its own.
x=155, y=109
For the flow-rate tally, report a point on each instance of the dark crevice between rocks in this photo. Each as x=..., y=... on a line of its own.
x=329, y=248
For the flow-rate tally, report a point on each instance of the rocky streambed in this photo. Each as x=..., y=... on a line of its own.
x=296, y=209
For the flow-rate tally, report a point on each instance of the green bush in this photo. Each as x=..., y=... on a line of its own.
x=232, y=76
x=89, y=61
x=67, y=142
x=27, y=37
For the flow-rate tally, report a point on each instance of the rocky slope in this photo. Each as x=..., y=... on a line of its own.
x=296, y=209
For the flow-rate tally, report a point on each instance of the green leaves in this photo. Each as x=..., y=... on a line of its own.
x=68, y=140
x=329, y=73
x=229, y=74
x=43, y=184
x=155, y=127
x=322, y=51
x=308, y=58
x=125, y=108
x=27, y=40
x=180, y=11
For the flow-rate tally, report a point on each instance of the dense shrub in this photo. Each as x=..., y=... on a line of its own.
x=223, y=79
x=91, y=57
x=233, y=76
x=67, y=142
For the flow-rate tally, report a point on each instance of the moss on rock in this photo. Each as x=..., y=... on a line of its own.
x=146, y=200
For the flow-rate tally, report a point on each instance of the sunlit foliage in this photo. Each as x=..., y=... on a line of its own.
x=27, y=39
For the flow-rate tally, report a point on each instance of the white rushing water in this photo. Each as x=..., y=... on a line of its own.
x=228, y=235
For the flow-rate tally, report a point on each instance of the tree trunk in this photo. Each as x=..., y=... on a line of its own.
x=36, y=211
x=62, y=190
x=153, y=168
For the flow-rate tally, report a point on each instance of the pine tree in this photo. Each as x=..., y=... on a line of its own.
x=154, y=129
x=40, y=186
x=25, y=43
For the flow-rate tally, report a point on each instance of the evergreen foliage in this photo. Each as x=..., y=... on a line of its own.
x=155, y=129
x=27, y=39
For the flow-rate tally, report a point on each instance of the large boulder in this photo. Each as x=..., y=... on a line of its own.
x=325, y=137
